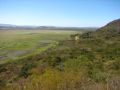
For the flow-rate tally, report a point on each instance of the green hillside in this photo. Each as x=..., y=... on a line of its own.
x=91, y=62
x=110, y=30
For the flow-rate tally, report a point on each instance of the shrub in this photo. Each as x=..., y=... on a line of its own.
x=25, y=70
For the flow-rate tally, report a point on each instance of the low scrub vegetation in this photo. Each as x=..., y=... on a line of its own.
x=89, y=63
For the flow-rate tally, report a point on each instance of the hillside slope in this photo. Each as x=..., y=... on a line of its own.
x=90, y=63
x=110, y=30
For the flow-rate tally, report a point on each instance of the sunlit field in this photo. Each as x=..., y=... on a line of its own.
x=16, y=44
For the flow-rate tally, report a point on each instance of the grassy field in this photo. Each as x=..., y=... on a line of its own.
x=15, y=44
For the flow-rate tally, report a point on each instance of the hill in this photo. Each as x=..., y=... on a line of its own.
x=91, y=62
x=110, y=30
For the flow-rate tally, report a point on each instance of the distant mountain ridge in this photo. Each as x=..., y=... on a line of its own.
x=10, y=26
x=30, y=27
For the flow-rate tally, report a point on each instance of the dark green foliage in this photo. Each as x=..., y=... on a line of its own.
x=55, y=61
x=2, y=83
x=2, y=69
x=87, y=35
x=25, y=70
x=115, y=65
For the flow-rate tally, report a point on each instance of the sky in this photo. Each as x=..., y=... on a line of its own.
x=67, y=13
